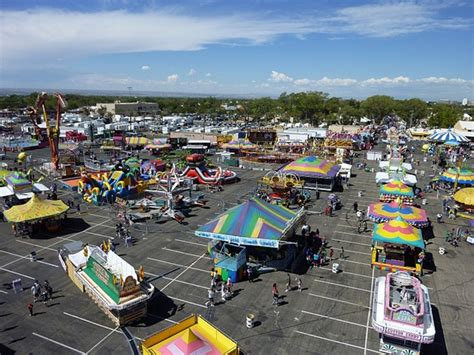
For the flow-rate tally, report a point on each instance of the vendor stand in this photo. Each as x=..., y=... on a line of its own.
x=37, y=213
x=465, y=199
x=397, y=246
x=394, y=190
x=384, y=212
x=268, y=229
x=318, y=174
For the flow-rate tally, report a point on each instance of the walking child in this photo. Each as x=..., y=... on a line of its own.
x=341, y=254
x=30, y=309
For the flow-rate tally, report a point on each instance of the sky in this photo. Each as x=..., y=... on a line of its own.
x=346, y=48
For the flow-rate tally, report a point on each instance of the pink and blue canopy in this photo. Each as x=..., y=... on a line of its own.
x=383, y=212
x=398, y=231
x=396, y=188
x=311, y=167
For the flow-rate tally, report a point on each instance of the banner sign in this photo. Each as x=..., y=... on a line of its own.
x=267, y=243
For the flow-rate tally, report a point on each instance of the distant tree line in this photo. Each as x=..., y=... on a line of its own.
x=311, y=107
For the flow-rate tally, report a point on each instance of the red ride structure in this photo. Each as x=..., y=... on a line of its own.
x=51, y=131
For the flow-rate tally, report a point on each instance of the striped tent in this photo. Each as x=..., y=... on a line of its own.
x=448, y=136
x=254, y=222
x=463, y=176
x=137, y=140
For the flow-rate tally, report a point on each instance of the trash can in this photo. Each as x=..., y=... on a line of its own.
x=250, y=320
x=33, y=256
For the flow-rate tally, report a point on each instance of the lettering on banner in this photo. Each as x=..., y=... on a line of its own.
x=101, y=273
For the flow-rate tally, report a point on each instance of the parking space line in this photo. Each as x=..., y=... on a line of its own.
x=353, y=251
x=343, y=271
x=58, y=343
x=179, y=281
x=96, y=215
x=356, y=234
x=334, y=341
x=182, y=272
x=337, y=300
x=99, y=235
x=350, y=242
x=17, y=273
x=342, y=285
x=368, y=315
x=193, y=303
x=35, y=245
x=349, y=226
x=28, y=258
x=335, y=319
x=175, y=264
x=161, y=318
x=5, y=292
x=188, y=242
x=183, y=252
x=355, y=262
x=102, y=340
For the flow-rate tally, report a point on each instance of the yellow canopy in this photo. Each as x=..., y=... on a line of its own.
x=35, y=209
x=465, y=196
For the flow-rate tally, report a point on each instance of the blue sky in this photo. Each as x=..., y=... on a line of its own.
x=412, y=48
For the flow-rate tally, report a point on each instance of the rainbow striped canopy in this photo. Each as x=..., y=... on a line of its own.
x=466, y=176
x=383, y=212
x=397, y=188
x=137, y=140
x=398, y=231
x=311, y=167
x=254, y=222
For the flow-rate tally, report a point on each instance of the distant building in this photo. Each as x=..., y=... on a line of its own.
x=130, y=108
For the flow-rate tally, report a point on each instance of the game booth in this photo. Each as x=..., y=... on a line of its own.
x=383, y=212
x=396, y=190
x=397, y=246
x=193, y=335
x=240, y=147
x=267, y=231
x=463, y=177
x=317, y=174
x=465, y=199
x=37, y=213
x=119, y=290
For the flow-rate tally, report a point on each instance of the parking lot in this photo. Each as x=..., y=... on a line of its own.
x=331, y=315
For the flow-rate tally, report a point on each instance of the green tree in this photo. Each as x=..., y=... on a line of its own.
x=445, y=115
x=378, y=106
x=412, y=111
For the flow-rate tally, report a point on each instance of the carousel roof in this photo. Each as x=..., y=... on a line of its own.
x=448, y=136
x=464, y=176
x=389, y=211
x=397, y=188
x=465, y=196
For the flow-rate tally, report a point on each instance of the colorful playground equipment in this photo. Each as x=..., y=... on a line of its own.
x=285, y=189
x=108, y=186
x=197, y=170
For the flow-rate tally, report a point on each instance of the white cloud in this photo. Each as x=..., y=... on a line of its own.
x=81, y=34
x=146, y=67
x=303, y=82
x=279, y=77
x=390, y=19
x=387, y=81
x=443, y=80
x=192, y=72
x=335, y=82
x=172, y=79
x=208, y=75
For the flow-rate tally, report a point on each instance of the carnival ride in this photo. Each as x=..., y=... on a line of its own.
x=197, y=170
x=51, y=131
x=107, y=187
x=401, y=314
x=286, y=189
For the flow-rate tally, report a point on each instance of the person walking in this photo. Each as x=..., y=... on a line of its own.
x=48, y=289
x=275, y=294
x=288, y=284
x=305, y=229
x=223, y=292
x=249, y=273
x=210, y=296
x=341, y=254
x=439, y=218
x=30, y=309
x=300, y=284
x=331, y=253
x=355, y=206
x=229, y=286
x=78, y=207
